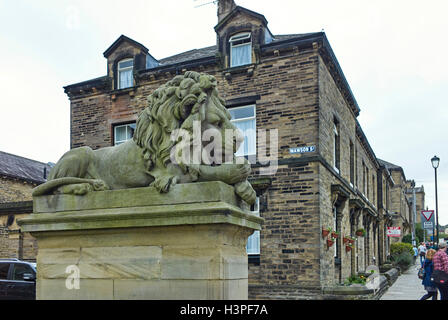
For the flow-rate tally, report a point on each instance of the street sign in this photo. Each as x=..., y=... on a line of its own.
x=427, y=217
x=428, y=225
x=393, y=231
x=302, y=149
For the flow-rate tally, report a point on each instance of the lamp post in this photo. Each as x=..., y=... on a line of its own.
x=435, y=164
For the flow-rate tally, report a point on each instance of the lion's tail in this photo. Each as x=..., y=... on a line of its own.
x=49, y=186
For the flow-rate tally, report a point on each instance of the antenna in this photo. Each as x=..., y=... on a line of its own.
x=204, y=4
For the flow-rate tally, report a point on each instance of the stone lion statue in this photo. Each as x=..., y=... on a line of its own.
x=153, y=156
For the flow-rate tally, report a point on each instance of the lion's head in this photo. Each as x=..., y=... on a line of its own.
x=178, y=105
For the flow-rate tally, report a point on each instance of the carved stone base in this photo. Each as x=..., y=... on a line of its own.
x=138, y=244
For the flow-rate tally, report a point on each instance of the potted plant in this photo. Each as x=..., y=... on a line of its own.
x=334, y=234
x=346, y=239
x=348, y=247
x=325, y=232
x=361, y=232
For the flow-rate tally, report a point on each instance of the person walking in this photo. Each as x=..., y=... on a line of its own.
x=415, y=253
x=430, y=286
x=440, y=262
x=422, y=253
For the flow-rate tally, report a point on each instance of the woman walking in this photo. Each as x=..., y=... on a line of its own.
x=428, y=266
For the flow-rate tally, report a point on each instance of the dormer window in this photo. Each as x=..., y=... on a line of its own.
x=125, y=79
x=240, y=49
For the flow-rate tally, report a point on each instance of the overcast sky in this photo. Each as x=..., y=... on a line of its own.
x=393, y=54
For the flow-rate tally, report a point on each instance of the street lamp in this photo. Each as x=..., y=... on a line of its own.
x=435, y=164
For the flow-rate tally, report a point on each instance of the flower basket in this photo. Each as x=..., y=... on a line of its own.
x=325, y=233
x=348, y=248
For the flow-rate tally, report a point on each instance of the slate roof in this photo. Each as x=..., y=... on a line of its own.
x=16, y=167
x=389, y=165
x=211, y=50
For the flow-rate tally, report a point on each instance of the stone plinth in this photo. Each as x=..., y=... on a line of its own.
x=189, y=243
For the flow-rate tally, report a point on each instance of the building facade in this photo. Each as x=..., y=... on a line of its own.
x=18, y=177
x=327, y=174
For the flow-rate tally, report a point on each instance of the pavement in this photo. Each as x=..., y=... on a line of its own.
x=407, y=287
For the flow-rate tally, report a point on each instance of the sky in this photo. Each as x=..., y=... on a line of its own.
x=393, y=55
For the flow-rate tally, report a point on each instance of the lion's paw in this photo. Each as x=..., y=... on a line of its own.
x=246, y=192
x=99, y=185
x=163, y=184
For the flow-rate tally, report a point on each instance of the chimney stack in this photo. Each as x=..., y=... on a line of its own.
x=224, y=8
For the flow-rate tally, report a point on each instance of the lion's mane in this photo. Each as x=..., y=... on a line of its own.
x=174, y=105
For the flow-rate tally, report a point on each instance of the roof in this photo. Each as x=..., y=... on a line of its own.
x=190, y=55
x=119, y=41
x=16, y=167
x=211, y=50
x=391, y=166
x=238, y=9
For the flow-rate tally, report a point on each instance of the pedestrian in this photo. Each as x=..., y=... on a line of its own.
x=415, y=253
x=430, y=286
x=440, y=262
x=422, y=252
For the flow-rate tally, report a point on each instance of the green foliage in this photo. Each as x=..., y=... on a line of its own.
x=419, y=234
x=361, y=279
x=407, y=238
x=400, y=247
x=402, y=254
x=404, y=260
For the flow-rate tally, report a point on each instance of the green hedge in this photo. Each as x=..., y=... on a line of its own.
x=400, y=247
x=402, y=254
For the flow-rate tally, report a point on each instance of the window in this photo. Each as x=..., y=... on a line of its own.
x=125, y=78
x=20, y=270
x=336, y=228
x=352, y=164
x=364, y=187
x=336, y=146
x=253, y=242
x=240, y=49
x=4, y=268
x=124, y=132
x=244, y=119
x=373, y=190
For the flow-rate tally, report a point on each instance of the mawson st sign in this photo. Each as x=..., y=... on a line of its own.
x=427, y=217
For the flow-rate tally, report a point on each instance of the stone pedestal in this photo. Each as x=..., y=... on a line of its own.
x=138, y=244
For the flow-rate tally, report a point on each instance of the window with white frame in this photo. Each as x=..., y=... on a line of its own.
x=244, y=119
x=253, y=242
x=123, y=133
x=336, y=146
x=240, y=49
x=124, y=70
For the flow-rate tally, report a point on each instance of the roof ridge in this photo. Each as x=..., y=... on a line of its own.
x=22, y=157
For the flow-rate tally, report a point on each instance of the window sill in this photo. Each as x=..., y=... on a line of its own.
x=244, y=69
x=254, y=259
x=119, y=92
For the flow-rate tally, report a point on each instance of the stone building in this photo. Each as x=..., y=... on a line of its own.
x=327, y=176
x=400, y=203
x=18, y=176
x=419, y=198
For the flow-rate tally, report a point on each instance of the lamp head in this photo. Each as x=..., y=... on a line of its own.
x=435, y=162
